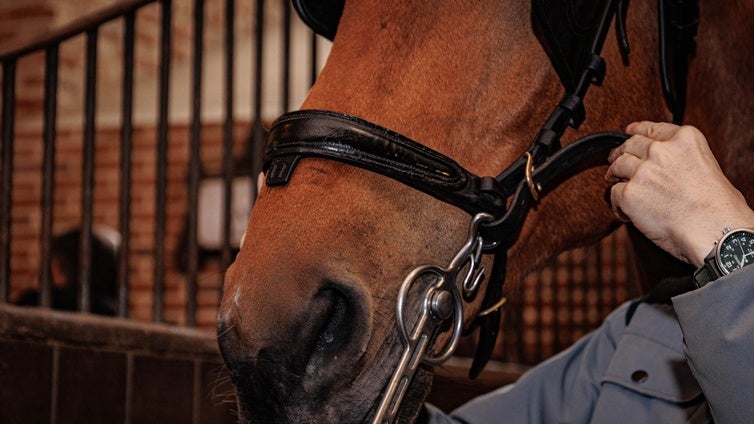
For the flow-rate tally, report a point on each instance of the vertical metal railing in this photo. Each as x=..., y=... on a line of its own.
x=87, y=173
x=286, y=29
x=48, y=171
x=227, y=158
x=6, y=173
x=314, y=69
x=162, y=161
x=257, y=137
x=194, y=162
x=126, y=143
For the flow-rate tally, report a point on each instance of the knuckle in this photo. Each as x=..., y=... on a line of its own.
x=654, y=148
x=654, y=129
x=687, y=132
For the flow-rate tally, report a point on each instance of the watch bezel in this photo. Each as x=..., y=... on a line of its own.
x=718, y=260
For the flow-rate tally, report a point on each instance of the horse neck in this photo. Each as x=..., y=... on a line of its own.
x=720, y=87
x=466, y=84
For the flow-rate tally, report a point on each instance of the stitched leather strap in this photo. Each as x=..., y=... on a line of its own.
x=319, y=133
x=348, y=139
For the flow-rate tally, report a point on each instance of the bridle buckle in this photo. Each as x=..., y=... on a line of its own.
x=534, y=188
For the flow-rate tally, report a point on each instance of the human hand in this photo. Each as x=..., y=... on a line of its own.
x=669, y=185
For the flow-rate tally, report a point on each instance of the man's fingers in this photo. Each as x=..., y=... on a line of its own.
x=637, y=145
x=616, y=196
x=655, y=130
x=623, y=168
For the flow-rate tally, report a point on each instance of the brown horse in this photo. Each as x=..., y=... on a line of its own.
x=307, y=322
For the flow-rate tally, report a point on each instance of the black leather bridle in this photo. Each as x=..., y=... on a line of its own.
x=574, y=47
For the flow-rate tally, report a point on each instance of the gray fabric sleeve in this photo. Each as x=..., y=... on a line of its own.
x=561, y=389
x=718, y=327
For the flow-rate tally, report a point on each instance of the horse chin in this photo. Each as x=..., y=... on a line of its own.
x=267, y=393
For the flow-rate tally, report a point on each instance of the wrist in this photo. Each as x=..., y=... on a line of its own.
x=704, y=241
x=733, y=251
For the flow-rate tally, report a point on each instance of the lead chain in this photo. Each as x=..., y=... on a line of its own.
x=442, y=300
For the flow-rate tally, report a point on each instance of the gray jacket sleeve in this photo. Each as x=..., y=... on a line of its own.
x=566, y=384
x=718, y=328
x=619, y=373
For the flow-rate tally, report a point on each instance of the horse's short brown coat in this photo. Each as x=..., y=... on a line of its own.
x=470, y=80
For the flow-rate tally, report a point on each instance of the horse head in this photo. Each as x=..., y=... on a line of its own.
x=308, y=323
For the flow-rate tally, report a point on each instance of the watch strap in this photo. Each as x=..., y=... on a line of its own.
x=706, y=273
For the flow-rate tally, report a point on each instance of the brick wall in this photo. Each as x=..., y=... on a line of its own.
x=26, y=213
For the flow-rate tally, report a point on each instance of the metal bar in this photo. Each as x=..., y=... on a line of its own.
x=508, y=331
x=614, y=271
x=601, y=281
x=6, y=173
x=75, y=28
x=194, y=163
x=161, y=171
x=227, y=160
x=257, y=143
x=126, y=142
x=539, y=307
x=610, y=279
x=504, y=333
x=605, y=275
x=570, y=303
x=586, y=287
x=87, y=173
x=555, y=307
x=48, y=173
x=519, y=305
x=614, y=300
x=286, y=55
x=313, y=69
x=589, y=286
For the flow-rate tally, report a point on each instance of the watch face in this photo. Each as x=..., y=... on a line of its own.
x=736, y=250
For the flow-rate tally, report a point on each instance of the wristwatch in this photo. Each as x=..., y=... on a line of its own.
x=733, y=251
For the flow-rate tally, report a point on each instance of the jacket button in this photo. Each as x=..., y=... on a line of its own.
x=639, y=376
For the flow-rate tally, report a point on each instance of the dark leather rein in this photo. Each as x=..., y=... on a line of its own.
x=497, y=204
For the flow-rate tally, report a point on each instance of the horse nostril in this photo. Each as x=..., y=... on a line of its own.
x=333, y=331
